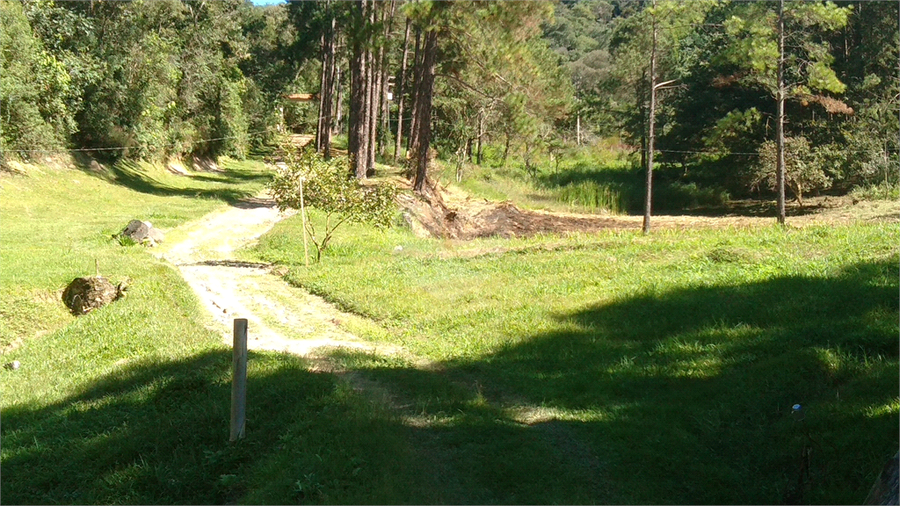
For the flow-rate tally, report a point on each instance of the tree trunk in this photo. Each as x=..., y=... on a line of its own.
x=578, y=130
x=401, y=89
x=326, y=93
x=506, y=149
x=651, y=131
x=382, y=97
x=411, y=140
x=779, y=130
x=358, y=134
x=372, y=82
x=323, y=82
x=478, y=151
x=337, y=125
x=643, y=120
x=423, y=110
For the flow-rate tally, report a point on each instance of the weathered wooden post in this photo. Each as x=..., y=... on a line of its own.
x=303, y=218
x=239, y=380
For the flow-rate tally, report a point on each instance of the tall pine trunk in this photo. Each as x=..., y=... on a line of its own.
x=326, y=93
x=384, y=106
x=371, y=110
x=323, y=82
x=401, y=89
x=779, y=124
x=424, y=96
x=413, y=131
x=358, y=133
x=337, y=126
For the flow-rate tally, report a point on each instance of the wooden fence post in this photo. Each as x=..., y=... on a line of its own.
x=239, y=380
x=303, y=218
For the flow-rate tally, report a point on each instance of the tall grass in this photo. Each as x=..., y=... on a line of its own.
x=590, y=182
x=592, y=197
x=879, y=191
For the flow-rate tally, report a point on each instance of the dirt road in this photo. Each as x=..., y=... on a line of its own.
x=280, y=317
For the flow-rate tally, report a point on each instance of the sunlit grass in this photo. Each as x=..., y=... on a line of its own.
x=587, y=368
x=130, y=403
x=670, y=360
x=58, y=224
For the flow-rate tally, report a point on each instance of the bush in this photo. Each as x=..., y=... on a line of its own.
x=34, y=87
x=803, y=167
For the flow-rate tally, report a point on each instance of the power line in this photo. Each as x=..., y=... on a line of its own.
x=122, y=148
x=729, y=153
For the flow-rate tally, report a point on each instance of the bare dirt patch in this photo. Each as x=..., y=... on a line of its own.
x=449, y=213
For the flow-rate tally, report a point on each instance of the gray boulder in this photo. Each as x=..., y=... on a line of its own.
x=142, y=232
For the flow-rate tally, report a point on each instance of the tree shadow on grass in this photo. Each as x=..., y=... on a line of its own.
x=685, y=396
x=134, y=176
x=675, y=397
x=217, y=186
x=231, y=175
x=157, y=433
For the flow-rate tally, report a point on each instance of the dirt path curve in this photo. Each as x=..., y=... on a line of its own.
x=280, y=317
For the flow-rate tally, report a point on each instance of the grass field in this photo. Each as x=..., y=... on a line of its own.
x=627, y=369
x=129, y=404
x=606, y=368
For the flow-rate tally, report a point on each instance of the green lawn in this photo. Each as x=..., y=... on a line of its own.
x=607, y=368
x=130, y=404
x=627, y=369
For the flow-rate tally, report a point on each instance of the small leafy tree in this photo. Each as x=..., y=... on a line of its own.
x=329, y=186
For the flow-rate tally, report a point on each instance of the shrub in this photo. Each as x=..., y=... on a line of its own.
x=802, y=167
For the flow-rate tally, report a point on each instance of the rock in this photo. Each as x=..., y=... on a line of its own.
x=97, y=168
x=83, y=295
x=142, y=232
x=13, y=365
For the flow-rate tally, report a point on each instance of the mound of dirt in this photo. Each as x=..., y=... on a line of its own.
x=451, y=214
x=444, y=213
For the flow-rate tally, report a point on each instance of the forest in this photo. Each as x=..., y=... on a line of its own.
x=700, y=92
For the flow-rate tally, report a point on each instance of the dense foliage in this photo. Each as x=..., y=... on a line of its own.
x=143, y=79
x=514, y=84
x=714, y=120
